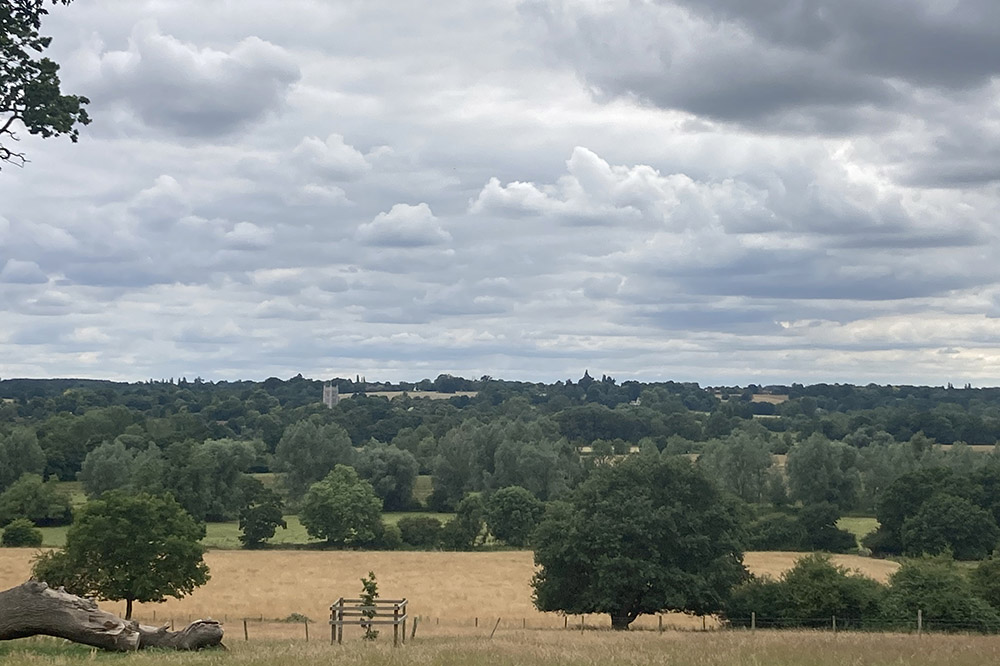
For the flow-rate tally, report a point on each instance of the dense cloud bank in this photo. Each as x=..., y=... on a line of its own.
x=657, y=189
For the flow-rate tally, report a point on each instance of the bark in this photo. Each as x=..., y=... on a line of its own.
x=33, y=608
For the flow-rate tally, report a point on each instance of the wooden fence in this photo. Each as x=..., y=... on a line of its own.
x=353, y=611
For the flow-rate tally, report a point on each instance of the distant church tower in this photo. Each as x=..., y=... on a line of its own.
x=331, y=394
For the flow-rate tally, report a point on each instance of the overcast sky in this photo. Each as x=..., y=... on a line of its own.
x=719, y=191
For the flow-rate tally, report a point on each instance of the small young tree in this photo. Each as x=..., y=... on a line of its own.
x=369, y=593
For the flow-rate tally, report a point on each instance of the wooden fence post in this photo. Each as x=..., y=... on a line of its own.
x=414, y=630
x=495, y=628
x=660, y=623
x=565, y=621
x=306, y=623
x=753, y=621
x=834, y=624
x=920, y=621
x=246, y=633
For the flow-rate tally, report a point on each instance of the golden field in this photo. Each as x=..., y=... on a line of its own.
x=448, y=590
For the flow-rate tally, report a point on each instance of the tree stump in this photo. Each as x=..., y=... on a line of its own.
x=33, y=608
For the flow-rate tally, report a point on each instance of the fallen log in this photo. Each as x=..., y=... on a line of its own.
x=33, y=609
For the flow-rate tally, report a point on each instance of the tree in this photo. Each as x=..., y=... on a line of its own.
x=43, y=503
x=261, y=516
x=420, y=531
x=942, y=592
x=392, y=473
x=823, y=471
x=948, y=523
x=107, y=467
x=30, y=96
x=131, y=547
x=512, y=514
x=21, y=533
x=740, y=464
x=464, y=531
x=369, y=593
x=342, y=509
x=20, y=454
x=308, y=452
x=639, y=537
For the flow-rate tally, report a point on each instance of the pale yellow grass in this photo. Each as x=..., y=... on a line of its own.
x=773, y=564
x=448, y=590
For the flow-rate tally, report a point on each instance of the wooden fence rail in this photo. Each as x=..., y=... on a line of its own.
x=355, y=611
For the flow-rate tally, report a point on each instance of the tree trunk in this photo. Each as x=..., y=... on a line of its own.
x=621, y=620
x=34, y=608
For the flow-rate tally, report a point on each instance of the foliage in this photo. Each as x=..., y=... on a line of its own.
x=21, y=533
x=740, y=464
x=29, y=85
x=20, y=454
x=776, y=531
x=819, y=522
x=639, y=537
x=809, y=594
x=465, y=530
x=420, y=531
x=342, y=509
x=307, y=452
x=936, y=586
x=43, y=503
x=391, y=472
x=946, y=523
x=823, y=471
x=107, y=467
x=512, y=514
x=369, y=593
x=132, y=547
x=260, y=516
x=985, y=580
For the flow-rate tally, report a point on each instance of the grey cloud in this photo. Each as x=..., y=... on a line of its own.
x=22, y=272
x=192, y=90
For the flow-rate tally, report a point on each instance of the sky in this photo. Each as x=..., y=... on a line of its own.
x=718, y=191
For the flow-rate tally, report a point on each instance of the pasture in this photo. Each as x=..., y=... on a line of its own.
x=448, y=588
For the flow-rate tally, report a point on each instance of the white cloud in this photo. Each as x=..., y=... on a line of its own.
x=404, y=226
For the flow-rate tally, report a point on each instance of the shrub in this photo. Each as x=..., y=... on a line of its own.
x=420, y=531
x=936, y=586
x=21, y=533
x=776, y=531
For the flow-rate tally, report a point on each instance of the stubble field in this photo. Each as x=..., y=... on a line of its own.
x=449, y=591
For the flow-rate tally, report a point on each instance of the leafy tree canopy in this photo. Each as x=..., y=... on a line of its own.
x=342, y=509
x=638, y=537
x=30, y=96
x=134, y=547
x=512, y=514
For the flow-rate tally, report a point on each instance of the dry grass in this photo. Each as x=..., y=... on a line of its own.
x=447, y=589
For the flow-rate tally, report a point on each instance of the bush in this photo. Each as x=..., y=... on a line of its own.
x=21, y=533
x=936, y=586
x=388, y=538
x=819, y=521
x=40, y=502
x=420, y=531
x=776, y=531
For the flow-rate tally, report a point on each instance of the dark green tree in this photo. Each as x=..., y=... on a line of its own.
x=260, y=516
x=639, y=537
x=420, y=531
x=20, y=454
x=21, y=533
x=392, y=473
x=739, y=464
x=308, y=452
x=512, y=514
x=131, y=547
x=342, y=509
x=465, y=530
x=948, y=523
x=823, y=471
x=942, y=592
x=107, y=467
x=43, y=503
x=30, y=96
x=985, y=580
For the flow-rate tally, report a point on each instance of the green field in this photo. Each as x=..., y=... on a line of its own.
x=858, y=526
